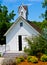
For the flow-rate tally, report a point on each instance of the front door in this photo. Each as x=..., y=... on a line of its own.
x=20, y=42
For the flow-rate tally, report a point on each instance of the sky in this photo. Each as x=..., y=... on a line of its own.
x=34, y=8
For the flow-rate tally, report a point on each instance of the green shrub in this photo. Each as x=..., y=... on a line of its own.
x=18, y=60
x=32, y=59
x=22, y=58
x=36, y=44
x=29, y=58
x=43, y=58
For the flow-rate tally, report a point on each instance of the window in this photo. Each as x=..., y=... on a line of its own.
x=21, y=13
x=21, y=24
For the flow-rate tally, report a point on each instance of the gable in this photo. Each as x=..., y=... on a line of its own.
x=18, y=20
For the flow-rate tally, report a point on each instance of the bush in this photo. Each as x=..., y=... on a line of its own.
x=20, y=59
x=28, y=51
x=43, y=58
x=32, y=59
x=36, y=44
x=29, y=58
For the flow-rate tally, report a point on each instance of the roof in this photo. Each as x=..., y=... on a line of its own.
x=30, y=23
x=33, y=25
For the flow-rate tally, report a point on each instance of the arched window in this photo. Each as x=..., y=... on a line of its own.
x=21, y=24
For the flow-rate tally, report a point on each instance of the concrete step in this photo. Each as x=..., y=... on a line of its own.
x=10, y=55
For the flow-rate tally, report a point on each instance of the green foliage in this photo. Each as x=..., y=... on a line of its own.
x=29, y=58
x=32, y=59
x=45, y=33
x=43, y=24
x=4, y=15
x=44, y=5
x=5, y=19
x=25, y=50
x=35, y=45
x=43, y=58
x=20, y=59
x=3, y=28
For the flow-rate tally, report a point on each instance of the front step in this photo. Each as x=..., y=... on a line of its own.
x=11, y=55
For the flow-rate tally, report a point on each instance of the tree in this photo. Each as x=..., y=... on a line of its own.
x=3, y=28
x=5, y=19
x=43, y=24
x=45, y=33
x=36, y=44
x=2, y=31
x=44, y=5
x=4, y=15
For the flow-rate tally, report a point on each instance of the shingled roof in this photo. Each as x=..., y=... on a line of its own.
x=33, y=25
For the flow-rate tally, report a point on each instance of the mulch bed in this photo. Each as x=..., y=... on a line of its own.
x=30, y=63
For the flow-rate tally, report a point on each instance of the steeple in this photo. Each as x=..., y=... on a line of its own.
x=23, y=11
